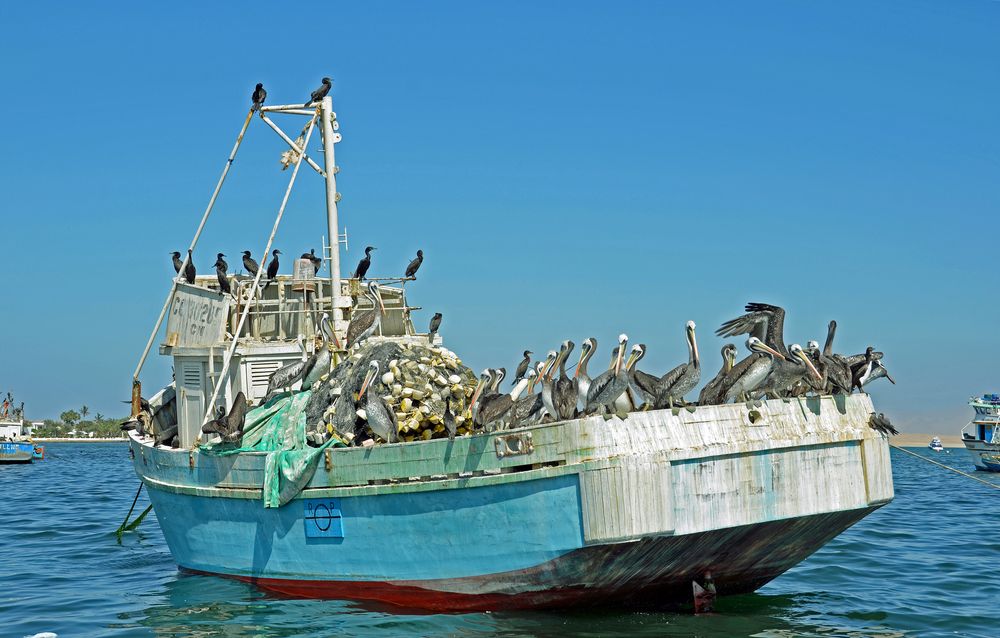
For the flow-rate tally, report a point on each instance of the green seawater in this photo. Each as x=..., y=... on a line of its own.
x=924, y=565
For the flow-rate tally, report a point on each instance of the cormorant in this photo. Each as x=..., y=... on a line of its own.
x=272, y=267
x=522, y=368
x=321, y=92
x=220, y=271
x=189, y=272
x=435, y=324
x=411, y=270
x=258, y=97
x=250, y=263
x=316, y=261
x=178, y=262
x=880, y=423
x=366, y=261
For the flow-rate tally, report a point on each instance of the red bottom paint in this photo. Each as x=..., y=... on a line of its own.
x=655, y=572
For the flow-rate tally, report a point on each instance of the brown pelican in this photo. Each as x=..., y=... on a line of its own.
x=321, y=92
x=764, y=321
x=711, y=393
x=449, y=419
x=787, y=372
x=230, y=426
x=258, y=96
x=285, y=377
x=528, y=409
x=484, y=379
x=364, y=264
x=626, y=400
x=494, y=409
x=381, y=419
x=587, y=349
x=250, y=263
x=319, y=363
x=747, y=375
x=672, y=386
x=546, y=381
x=610, y=384
x=835, y=367
x=411, y=270
x=220, y=271
x=522, y=368
x=366, y=322
x=434, y=326
x=564, y=393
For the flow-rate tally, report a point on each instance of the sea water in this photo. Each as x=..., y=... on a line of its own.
x=924, y=565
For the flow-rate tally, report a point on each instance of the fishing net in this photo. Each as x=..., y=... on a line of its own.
x=279, y=428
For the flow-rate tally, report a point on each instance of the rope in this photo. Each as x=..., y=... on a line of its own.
x=965, y=474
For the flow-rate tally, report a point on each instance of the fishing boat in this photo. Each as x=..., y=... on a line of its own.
x=981, y=435
x=15, y=441
x=587, y=511
x=935, y=445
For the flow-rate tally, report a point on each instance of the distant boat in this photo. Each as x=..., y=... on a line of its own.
x=935, y=445
x=981, y=435
x=15, y=446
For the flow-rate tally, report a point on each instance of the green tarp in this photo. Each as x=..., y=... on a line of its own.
x=279, y=428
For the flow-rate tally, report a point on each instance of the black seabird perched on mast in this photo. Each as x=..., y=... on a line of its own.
x=411, y=270
x=364, y=264
x=250, y=263
x=321, y=92
x=258, y=97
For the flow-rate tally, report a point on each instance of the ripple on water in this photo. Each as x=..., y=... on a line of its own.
x=907, y=570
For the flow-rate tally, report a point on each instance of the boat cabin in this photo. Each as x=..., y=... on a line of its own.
x=282, y=327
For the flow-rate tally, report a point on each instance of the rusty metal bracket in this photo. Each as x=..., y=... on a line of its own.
x=514, y=444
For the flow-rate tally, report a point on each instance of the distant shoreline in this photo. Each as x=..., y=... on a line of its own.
x=916, y=439
x=78, y=440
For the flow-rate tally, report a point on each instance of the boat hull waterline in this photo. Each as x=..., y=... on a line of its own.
x=594, y=512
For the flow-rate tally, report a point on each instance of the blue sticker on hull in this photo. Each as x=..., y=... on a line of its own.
x=323, y=518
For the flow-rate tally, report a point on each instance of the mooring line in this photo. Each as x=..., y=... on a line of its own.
x=121, y=528
x=947, y=467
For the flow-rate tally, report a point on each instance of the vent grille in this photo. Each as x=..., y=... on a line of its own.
x=261, y=371
x=191, y=376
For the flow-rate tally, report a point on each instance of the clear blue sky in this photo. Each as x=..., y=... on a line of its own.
x=568, y=172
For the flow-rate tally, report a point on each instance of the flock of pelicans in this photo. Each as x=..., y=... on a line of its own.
x=771, y=370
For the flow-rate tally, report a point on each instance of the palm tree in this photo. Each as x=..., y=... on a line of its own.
x=84, y=411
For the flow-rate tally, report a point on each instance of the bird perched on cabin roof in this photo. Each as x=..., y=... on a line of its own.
x=435, y=324
x=272, y=267
x=411, y=270
x=258, y=97
x=316, y=261
x=364, y=264
x=250, y=263
x=189, y=272
x=220, y=271
x=321, y=92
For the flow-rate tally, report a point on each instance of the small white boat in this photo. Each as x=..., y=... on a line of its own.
x=935, y=445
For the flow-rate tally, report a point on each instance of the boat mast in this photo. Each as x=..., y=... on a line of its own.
x=328, y=117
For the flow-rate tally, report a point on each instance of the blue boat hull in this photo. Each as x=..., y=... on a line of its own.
x=587, y=512
x=499, y=547
x=16, y=452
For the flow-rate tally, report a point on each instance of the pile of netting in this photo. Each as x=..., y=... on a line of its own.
x=415, y=381
x=294, y=429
